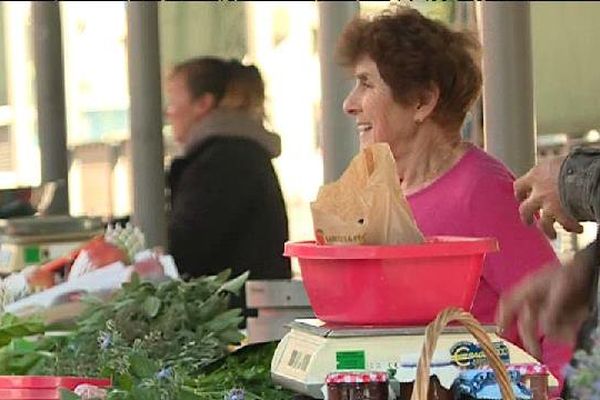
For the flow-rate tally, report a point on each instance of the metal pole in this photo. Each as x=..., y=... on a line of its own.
x=508, y=103
x=338, y=131
x=50, y=88
x=146, y=121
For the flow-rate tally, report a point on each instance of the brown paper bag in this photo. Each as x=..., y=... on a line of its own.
x=366, y=205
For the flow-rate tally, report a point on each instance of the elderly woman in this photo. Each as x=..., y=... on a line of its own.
x=227, y=209
x=415, y=81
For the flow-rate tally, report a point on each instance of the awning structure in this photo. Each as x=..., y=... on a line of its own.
x=146, y=121
x=508, y=104
x=50, y=90
x=518, y=38
x=339, y=144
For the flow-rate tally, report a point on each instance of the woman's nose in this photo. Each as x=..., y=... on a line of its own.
x=350, y=105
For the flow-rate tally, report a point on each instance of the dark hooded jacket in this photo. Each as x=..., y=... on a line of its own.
x=227, y=209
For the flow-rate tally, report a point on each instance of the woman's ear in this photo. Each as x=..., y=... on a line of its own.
x=426, y=103
x=203, y=105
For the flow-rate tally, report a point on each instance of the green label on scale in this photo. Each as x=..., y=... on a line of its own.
x=32, y=255
x=350, y=360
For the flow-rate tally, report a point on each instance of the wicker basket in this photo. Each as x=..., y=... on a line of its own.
x=434, y=329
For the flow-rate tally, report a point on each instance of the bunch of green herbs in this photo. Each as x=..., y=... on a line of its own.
x=248, y=369
x=176, y=322
x=162, y=341
x=20, y=352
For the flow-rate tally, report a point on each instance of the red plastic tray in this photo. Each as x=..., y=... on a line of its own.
x=42, y=387
x=29, y=394
x=49, y=382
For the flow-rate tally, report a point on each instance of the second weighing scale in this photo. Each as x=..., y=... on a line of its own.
x=35, y=240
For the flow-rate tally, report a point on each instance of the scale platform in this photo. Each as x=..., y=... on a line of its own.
x=312, y=349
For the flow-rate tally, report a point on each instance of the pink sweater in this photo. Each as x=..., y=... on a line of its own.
x=475, y=198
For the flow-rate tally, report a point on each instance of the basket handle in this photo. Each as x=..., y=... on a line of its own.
x=433, y=331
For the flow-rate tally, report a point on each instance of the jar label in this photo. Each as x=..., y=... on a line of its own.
x=471, y=355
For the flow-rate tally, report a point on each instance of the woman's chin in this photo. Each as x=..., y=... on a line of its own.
x=365, y=139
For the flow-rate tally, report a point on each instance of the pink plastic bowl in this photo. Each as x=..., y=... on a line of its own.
x=405, y=285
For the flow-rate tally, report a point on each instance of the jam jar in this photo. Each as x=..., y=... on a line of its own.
x=357, y=386
x=535, y=376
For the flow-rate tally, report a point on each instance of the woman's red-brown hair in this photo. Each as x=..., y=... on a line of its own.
x=413, y=53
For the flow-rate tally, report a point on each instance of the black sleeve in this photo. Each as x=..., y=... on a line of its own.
x=579, y=184
x=579, y=189
x=588, y=258
x=214, y=191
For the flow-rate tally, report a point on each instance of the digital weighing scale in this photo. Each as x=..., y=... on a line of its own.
x=35, y=240
x=312, y=349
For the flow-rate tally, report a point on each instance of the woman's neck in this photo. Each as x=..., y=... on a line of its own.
x=432, y=153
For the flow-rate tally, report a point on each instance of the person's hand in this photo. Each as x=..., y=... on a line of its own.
x=538, y=190
x=555, y=301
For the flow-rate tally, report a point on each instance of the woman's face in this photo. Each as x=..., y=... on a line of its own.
x=182, y=109
x=378, y=117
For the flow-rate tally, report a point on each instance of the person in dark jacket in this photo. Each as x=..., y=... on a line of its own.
x=562, y=302
x=227, y=208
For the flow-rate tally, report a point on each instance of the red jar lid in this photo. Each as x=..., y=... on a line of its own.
x=356, y=377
